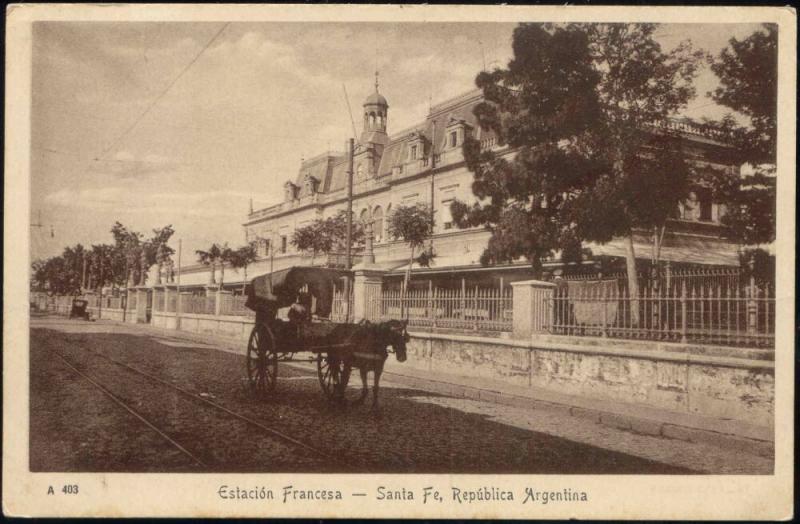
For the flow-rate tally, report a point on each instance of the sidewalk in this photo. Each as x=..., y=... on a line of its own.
x=728, y=434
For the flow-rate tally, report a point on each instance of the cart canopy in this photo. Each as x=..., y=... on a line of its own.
x=279, y=289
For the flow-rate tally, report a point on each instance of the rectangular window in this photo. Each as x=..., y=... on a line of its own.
x=283, y=244
x=704, y=196
x=413, y=152
x=444, y=213
x=453, y=139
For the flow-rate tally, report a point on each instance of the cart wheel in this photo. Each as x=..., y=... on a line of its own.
x=330, y=371
x=262, y=361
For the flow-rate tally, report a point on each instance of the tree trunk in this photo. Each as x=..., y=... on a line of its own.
x=158, y=273
x=211, y=279
x=244, y=278
x=633, y=281
x=221, y=274
x=408, y=270
x=404, y=292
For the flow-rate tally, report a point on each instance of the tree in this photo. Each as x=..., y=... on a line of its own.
x=412, y=224
x=748, y=84
x=210, y=258
x=161, y=252
x=127, y=243
x=325, y=236
x=581, y=105
x=226, y=256
x=244, y=256
x=103, y=268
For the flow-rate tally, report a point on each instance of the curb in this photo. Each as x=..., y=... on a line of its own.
x=643, y=426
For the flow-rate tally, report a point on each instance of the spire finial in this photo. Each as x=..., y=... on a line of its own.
x=376, y=80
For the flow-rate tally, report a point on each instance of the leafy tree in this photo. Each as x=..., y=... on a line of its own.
x=580, y=104
x=748, y=84
x=210, y=258
x=128, y=244
x=412, y=224
x=325, y=236
x=160, y=250
x=103, y=269
x=226, y=256
x=244, y=256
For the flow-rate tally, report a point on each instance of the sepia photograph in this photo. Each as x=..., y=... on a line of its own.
x=519, y=248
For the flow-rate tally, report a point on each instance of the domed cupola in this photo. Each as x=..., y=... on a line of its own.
x=376, y=110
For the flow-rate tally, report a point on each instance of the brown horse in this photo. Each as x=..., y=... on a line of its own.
x=370, y=352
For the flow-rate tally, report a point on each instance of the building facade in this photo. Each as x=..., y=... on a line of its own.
x=425, y=164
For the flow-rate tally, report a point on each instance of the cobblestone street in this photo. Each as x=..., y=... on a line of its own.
x=77, y=427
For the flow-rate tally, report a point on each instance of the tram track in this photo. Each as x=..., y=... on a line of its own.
x=215, y=406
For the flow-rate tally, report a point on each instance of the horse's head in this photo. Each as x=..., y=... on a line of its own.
x=397, y=337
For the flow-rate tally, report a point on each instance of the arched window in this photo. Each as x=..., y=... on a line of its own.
x=377, y=224
x=360, y=172
x=372, y=120
x=364, y=215
x=388, y=215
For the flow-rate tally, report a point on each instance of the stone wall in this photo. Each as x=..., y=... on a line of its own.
x=715, y=386
x=227, y=326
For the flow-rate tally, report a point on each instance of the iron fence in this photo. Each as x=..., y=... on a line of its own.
x=198, y=305
x=473, y=309
x=340, y=306
x=727, y=315
x=234, y=305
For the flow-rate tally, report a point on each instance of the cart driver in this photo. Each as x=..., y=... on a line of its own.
x=300, y=311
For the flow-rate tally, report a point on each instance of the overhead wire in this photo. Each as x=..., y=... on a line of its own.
x=164, y=92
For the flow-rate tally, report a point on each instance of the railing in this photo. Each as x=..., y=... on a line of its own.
x=472, y=309
x=705, y=278
x=339, y=307
x=681, y=313
x=235, y=306
x=198, y=305
x=158, y=300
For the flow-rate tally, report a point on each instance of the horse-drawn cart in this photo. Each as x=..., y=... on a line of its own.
x=335, y=347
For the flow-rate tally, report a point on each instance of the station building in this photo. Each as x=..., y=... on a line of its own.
x=425, y=164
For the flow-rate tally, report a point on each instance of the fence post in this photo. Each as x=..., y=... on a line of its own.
x=367, y=289
x=532, y=306
x=475, y=310
x=683, y=311
x=604, y=299
x=752, y=307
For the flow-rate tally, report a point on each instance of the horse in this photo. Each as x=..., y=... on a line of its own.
x=371, y=343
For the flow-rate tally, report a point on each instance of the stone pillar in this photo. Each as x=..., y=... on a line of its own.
x=141, y=305
x=223, y=303
x=369, y=255
x=159, y=292
x=533, y=307
x=367, y=292
x=169, y=291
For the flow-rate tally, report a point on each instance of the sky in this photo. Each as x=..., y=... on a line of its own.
x=149, y=124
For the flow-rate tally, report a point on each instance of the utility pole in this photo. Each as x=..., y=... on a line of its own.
x=83, y=275
x=348, y=259
x=100, y=304
x=433, y=168
x=178, y=288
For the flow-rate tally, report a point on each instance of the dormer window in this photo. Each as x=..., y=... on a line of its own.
x=416, y=146
x=289, y=191
x=456, y=130
x=311, y=184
